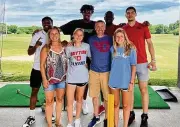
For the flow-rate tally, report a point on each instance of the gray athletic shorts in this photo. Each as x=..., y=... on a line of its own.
x=142, y=72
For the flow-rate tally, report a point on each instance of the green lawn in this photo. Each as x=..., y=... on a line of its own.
x=16, y=70
x=16, y=44
x=166, y=47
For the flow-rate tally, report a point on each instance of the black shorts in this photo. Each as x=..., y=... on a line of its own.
x=79, y=84
x=35, y=79
x=88, y=61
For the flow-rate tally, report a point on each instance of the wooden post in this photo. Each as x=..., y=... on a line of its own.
x=110, y=118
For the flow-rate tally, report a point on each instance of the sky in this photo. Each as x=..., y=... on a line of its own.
x=30, y=12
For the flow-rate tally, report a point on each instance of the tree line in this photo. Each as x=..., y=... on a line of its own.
x=173, y=28
x=14, y=29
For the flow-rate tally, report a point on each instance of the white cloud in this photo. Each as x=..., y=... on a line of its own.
x=109, y=4
x=63, y=11
x=44, y=1
x=167, y=16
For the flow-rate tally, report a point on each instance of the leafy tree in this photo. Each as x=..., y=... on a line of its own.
x=176, y=31
x=12, y=29
x=2, y=28
x=166, y=29
x=173, y=26
x=152, y=29
x=20, y=30
x=159, y=29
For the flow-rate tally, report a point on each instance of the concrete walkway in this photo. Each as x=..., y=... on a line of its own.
x=15, y=117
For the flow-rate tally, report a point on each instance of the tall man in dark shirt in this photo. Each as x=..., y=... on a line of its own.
x=86, y=23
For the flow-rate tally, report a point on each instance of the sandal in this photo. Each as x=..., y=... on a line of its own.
x=58, y=125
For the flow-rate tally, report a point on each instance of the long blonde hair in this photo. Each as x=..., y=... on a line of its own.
x=49, y=41
x=77, y=29
x=128, y=45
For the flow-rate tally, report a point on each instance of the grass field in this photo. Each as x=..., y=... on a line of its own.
x=17, y=44
x=166, y=47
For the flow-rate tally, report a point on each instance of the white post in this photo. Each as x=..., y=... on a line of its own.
x=1, y=48
x=178, y=81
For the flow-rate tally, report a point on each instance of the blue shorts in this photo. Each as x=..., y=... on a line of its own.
x=52, y=87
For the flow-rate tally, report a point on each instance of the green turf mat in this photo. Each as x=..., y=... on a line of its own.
x=155, y=100
x=9, y=97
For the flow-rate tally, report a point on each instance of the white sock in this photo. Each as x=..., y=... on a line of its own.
x=98, y=116
x=70, y=124
x=77, y=119
x=84, y=101
x=74, y=103
x=32, y=113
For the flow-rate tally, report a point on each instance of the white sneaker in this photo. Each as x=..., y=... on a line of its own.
x=53, y=119
x=69, y=125
x=74, y=108
x=77, y=123
x=85, y=108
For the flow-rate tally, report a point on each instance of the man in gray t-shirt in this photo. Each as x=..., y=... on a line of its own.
x=77, y=69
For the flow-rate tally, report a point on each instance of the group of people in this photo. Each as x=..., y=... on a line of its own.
x=102, y=56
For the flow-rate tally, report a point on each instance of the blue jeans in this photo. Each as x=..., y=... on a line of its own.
x=52, y=87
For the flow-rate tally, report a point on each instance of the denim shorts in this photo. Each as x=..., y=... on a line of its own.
x=123, y=89
x=52, y=87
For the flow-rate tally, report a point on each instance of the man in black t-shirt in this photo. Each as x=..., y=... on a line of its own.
x=85, y=23
x=88, y=25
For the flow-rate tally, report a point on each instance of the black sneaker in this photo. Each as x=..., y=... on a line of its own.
x=131, y=118
x=94, y=122
x=30, y=120
x=144, y=122
x=105, y=123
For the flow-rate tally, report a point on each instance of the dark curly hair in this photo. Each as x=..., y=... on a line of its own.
x=87, y=7
x=47, y=18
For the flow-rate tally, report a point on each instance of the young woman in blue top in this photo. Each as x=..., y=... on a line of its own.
x=122, y=74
